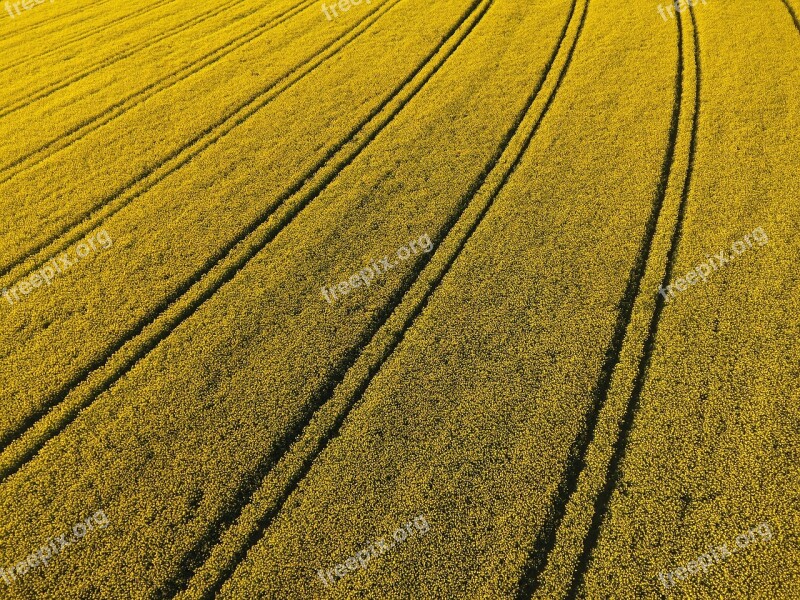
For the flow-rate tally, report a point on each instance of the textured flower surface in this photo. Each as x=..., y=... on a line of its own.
x=399, y=299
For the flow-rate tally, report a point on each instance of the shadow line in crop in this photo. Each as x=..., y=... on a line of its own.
x=790, y=8
x=613, y=473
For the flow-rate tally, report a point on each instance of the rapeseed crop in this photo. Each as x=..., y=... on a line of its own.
x=516, y=402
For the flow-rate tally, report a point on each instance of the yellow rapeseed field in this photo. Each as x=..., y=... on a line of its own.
x=399, y=299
